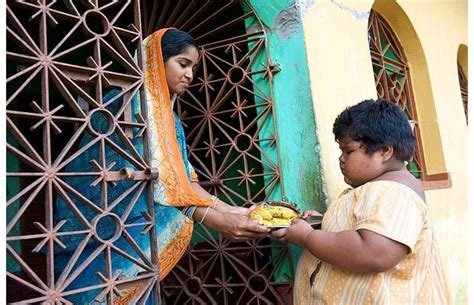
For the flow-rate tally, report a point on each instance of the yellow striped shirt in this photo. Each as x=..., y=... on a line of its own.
x=394, y=211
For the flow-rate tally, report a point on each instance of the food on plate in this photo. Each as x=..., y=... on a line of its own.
x=273, y=215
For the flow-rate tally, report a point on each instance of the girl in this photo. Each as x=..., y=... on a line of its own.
x=376, y=245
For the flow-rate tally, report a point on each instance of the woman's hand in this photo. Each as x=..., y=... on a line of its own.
x=232, y=209
x=236, y=226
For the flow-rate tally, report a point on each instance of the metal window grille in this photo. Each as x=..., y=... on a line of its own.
x=392, y=78
x=63, y=58
x=463, y=86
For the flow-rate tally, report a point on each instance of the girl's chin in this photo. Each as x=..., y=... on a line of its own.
x=346, y=180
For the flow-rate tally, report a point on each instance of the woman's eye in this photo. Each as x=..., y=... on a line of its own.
x=183, y=65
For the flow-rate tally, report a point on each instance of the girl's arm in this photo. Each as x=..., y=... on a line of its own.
x=355, y=251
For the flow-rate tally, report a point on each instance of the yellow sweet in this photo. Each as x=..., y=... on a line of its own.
x=270, y=215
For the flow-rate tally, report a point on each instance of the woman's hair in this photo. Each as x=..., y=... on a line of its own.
x=376, y=124
x=175, y=42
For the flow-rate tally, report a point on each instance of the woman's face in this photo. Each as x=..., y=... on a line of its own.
x=180, y=70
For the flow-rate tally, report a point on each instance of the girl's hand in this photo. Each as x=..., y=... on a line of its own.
x=280, y=234
x=309, y=213
x=298, y=231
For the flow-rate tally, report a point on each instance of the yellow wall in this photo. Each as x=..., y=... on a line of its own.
x=341, y=75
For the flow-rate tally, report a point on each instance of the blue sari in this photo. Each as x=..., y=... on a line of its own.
x=80, y=247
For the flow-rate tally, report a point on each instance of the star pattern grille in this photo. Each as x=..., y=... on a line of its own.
x=392, y=79
x=64, y=57
x=64, y=60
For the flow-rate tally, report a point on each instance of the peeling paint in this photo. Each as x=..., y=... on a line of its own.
x=304, y=6
x=287, y=22
x=356, y=14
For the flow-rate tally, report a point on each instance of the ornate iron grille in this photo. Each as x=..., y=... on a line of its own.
x=392, y=78
x=231, y=134
x=71, y=65
x=463, y=85
x=65, y=59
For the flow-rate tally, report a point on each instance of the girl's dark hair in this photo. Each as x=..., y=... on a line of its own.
x=175, y=42
x=376, y=124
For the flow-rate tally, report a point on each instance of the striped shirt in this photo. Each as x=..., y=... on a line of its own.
x=394, y=211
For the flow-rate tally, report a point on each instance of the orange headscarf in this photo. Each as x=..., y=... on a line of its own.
x=172, y=187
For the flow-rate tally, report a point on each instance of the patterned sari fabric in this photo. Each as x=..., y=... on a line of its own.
x=172, y=189
x=168, y=149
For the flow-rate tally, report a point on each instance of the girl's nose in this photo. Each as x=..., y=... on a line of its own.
x=341, y=158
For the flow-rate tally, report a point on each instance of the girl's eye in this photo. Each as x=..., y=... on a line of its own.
x=183, y=65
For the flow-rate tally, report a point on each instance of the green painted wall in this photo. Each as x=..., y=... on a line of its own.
x=299, y=147
x=296, y=126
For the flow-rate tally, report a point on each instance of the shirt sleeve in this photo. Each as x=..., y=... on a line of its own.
x=392, y=210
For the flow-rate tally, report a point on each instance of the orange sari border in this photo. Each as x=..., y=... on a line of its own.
x=173, y=187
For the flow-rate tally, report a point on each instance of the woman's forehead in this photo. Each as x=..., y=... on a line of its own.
x=190, y=51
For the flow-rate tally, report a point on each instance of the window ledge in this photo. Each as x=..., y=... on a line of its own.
x=437, y=181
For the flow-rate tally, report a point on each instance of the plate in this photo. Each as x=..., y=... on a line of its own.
x=283, y=204
x=314, y=221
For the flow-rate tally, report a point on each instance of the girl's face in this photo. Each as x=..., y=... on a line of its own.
x=357, y=166
x=180, y=70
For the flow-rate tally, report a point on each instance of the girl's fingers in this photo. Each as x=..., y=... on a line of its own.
x=281, y=233
x=310, y=213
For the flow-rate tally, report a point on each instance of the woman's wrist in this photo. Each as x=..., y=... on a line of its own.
x=211, y=218
x=215, y=203
x=221, y=206
x=204, y=215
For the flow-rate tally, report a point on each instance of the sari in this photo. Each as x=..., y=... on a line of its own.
x=172, y=189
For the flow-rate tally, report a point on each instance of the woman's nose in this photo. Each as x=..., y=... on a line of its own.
x=189, y=74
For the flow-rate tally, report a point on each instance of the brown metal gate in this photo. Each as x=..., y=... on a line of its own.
x=64, y=57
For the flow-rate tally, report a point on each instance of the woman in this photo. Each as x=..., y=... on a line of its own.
x=180, y=57
x=171, y=57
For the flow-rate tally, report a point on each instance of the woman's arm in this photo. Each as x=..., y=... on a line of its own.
x=219, y=205
x=230, y=221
